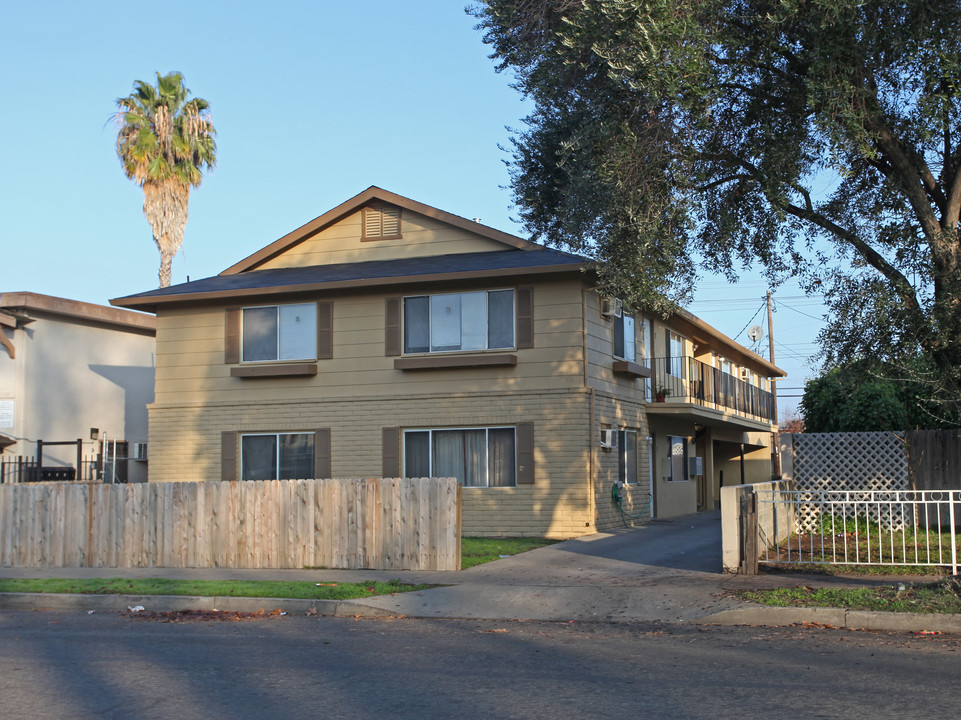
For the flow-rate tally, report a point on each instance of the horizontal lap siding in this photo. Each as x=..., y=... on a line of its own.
x=185, y=445
x=190, y=356
x=341, y=243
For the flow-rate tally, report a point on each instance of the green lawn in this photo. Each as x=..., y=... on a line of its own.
x=943, y=596
x=475, y=551
x=208, y=588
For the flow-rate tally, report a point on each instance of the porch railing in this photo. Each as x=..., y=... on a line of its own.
x=15, y=469
x=684, y=379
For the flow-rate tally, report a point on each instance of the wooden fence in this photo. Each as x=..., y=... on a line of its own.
x=379, y=523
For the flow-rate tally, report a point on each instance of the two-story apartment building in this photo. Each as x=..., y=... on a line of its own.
x=389, y=338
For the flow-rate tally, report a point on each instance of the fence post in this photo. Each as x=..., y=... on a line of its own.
x=749, y=558
x=954, y=533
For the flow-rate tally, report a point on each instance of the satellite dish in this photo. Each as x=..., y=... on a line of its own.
x=755, y=332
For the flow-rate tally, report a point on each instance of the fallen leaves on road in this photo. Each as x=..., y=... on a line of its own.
x=182, y=616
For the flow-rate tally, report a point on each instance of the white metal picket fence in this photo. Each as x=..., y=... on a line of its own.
x=859, y=527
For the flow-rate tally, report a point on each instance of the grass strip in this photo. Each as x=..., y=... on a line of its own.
x=479, y=550
x=208, y=588
x=942, y=596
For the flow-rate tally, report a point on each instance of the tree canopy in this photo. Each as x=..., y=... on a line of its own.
x=817, y=137
x=865, y=396
x=165, y=142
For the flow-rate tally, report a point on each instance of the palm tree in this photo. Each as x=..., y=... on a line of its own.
x=165, y=142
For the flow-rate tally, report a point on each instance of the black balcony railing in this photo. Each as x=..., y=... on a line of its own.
x=686, y=380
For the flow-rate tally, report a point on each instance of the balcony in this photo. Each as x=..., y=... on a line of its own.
x=677, y=380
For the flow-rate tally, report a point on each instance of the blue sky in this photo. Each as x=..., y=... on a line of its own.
x=313, y=102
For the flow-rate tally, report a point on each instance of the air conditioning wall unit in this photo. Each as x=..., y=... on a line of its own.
x=609, y=439
x=612, y=307
x=745, y=374
x=139, y=451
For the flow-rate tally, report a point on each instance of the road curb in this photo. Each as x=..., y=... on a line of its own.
x=837, y=617
x=175, y=603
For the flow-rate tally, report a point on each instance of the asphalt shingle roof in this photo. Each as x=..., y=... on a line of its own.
x=371, y=270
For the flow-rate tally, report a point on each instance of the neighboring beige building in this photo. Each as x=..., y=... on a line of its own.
x=74, y=371
x=390, y=338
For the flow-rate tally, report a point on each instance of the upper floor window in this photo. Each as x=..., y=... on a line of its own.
x=279, y=332
x=459, y=321
x=624, y=340
x=675, y=354
x=381, y=222
x=277, y=456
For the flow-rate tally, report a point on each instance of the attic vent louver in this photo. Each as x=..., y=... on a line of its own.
x=381, y=222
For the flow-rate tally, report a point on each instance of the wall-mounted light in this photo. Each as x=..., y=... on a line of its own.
x=94, y=433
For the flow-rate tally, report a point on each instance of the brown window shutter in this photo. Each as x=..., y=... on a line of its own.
x=232, y=335
x=325, y=331
x=321, y=453
x=524, y=321
x=228, y=456
x=392, y=337
x=391, y=452
x=525, y=453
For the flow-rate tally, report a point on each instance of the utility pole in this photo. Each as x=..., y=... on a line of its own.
x=775, y=436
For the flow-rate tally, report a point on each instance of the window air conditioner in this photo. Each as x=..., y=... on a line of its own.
x=612, y=307
x=608, y=439
x=745, y=374
x=140, y=451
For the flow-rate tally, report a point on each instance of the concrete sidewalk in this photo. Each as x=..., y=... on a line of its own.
x=660, y=572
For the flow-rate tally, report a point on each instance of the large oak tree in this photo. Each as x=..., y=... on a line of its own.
x=819, y=137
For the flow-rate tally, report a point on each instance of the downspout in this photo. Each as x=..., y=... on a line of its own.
x=591, y=434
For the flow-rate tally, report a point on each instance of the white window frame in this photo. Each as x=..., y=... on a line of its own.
x=277, y=354
x=629, y=351
x=623, y=460
x=430, y=298
x=675, y=361
x=486, y=429
x=278, y=435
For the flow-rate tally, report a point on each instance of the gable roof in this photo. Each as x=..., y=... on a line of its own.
x=368, y=196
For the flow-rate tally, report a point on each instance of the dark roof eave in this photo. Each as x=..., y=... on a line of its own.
x=149, y=304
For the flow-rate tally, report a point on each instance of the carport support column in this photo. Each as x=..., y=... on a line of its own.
x=713, y=484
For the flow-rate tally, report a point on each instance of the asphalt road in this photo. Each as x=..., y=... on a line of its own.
x=105, y=665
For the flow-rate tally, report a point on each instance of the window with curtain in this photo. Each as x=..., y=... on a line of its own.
x=459, y=321
x=277, y=456
x=675, y=353
x=627, y=456
x=279, y=332
x=477, y=457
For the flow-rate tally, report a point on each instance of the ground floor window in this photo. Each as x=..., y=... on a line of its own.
x=675, y=469
x=277, y=456
x=627, y=456
x=477, y=457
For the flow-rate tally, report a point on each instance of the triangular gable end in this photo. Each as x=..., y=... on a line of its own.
x=378, y=225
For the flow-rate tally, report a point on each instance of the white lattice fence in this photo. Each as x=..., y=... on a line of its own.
x=829, y=463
